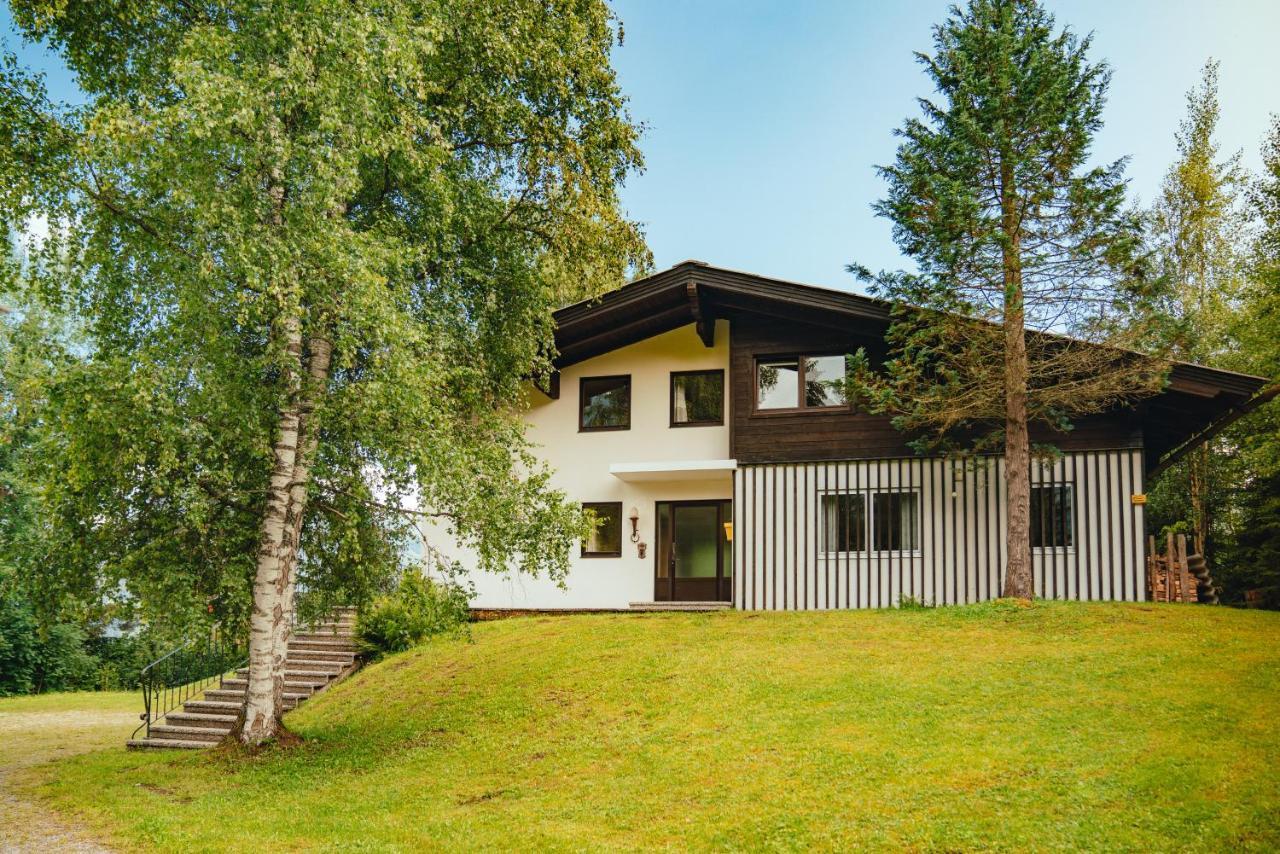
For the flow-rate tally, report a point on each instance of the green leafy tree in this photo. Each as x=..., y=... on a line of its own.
x=1014, y=238
x=1257, y=324
x=316, y=248
x=1198, y=226
x=1251, y=522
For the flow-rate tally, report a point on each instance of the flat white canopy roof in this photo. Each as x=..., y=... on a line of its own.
x=674, y=470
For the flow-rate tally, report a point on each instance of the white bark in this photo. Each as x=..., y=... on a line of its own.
x=264, y=701
x=320, y=355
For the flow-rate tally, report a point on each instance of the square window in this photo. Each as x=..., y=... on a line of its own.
x=844, y=523
x=606, y=539
x=1052, y=516
x=896, y=521
x=777, y=384
x=697, y=398
x=824, y=381
x=605, y=403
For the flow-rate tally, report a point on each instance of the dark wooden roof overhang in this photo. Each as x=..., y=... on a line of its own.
x=640, y=310
x=693, y=292
x=1196, y=398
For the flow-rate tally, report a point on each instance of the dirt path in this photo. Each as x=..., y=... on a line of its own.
x=35, y=730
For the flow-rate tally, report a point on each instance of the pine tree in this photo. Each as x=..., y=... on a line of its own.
x=1014, y=238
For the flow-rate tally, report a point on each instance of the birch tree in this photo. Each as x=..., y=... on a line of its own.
x=1016, y=239
x=325, y=239
x=1198, y=226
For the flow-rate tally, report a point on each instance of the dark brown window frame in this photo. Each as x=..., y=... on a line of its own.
x=869, y=521
x=1069, y=525
x=800, y=407
x=671, y=394
x=618, y=505
x=582, y=403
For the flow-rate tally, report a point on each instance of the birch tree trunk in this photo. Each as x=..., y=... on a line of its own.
x=264, y=699
x=319, y=359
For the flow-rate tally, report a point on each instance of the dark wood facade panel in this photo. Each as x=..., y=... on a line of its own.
x=794, y=436
x=799, y=436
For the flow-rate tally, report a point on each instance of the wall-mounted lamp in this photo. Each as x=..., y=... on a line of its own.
x=635, y=525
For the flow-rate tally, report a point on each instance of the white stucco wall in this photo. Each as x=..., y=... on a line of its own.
x=581, y=464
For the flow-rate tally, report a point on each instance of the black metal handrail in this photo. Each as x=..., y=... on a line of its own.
x=185, y=671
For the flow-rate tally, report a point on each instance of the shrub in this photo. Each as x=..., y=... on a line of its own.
x=419, y=608
x=19, y=652
x=35, y=661
x=65, y=665
x=121, y=659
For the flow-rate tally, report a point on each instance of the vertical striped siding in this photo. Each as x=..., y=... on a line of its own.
x=779, y=563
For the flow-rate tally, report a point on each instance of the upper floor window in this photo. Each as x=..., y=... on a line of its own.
x=800, y=382
x=697, y=398
x=1052, y=516
x=605, y=403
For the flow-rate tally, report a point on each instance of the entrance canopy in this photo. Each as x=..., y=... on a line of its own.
x=674, y=470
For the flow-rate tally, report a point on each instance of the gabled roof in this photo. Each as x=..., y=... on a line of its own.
x=693, y=290
x=696, y=292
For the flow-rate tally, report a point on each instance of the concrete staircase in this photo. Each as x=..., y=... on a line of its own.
x=318, y=656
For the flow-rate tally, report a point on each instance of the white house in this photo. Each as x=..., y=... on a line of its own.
x=692, y=411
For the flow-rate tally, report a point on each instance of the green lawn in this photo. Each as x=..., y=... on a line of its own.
x=995, y=726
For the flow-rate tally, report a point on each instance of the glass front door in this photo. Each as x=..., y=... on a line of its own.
x=694, y=557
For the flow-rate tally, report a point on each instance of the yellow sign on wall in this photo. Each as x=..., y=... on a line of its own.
x=728, y=532
x=1138, y=498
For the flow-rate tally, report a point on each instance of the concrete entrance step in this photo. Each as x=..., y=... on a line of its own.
x=166, y=744
x=680, y=606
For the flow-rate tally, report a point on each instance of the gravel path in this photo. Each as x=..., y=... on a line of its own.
x=30, y=738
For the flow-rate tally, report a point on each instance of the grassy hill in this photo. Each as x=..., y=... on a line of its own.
x=994, y=726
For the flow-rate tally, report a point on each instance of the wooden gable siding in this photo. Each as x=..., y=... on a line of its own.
x=798, y=436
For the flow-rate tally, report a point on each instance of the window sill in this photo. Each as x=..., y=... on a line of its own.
x=806, y=410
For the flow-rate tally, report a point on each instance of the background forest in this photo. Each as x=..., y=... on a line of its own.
x=1215, y=236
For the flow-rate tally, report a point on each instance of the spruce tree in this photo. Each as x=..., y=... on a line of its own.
x=1015, y=238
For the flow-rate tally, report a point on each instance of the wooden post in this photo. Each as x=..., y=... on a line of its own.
x=1184, y=572
x=1153, y=560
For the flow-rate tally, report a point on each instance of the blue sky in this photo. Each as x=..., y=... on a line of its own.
x=765, y=119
